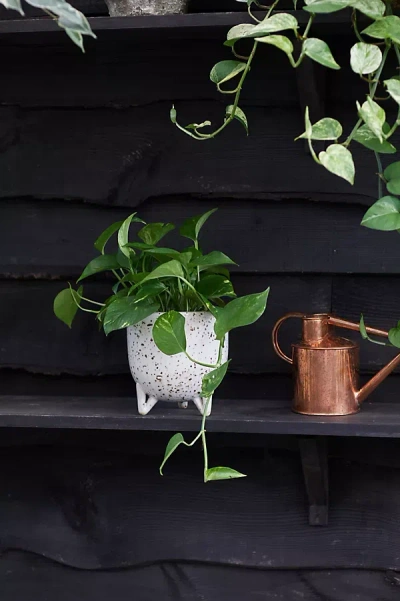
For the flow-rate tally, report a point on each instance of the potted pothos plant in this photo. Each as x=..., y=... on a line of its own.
x=376, y=38
x=178, y=308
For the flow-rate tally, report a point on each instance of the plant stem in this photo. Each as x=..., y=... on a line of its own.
x=353, y=132
x=380, y=170
x=252, y=16
x=92, y=301
x=204, y=439
x=231, y=117
x=372, y=92
x=200, y=363
x=379, y=72
x=355, y=26
x=119, y=279
x=271, y=8
x=307, y=29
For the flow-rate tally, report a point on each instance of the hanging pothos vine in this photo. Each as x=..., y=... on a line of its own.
x=74, y=23
x=374, y=43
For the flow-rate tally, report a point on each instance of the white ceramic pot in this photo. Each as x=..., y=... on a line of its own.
x=126, y=8
x=172, y=378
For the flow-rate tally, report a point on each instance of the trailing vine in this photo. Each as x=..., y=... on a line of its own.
x=377, y=37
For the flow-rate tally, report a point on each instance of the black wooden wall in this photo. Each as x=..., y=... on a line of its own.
x=83, y=141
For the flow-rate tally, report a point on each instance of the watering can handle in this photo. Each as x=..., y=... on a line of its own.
x=275, y=333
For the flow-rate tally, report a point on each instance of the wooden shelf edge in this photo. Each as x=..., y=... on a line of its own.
x=234, y=416
x=191, y=20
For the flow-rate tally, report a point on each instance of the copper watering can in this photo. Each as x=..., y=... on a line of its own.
x=326, y=366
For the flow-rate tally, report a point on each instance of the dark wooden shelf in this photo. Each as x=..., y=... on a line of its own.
x=376, y=419
x=192, y=24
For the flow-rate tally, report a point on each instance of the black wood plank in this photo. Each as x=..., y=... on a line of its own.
x=56, y=238
x=32, y=338
x=29, y=577
x=122, y=158
x=94, y=509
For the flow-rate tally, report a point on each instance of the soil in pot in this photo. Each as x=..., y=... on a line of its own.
x=126, y=8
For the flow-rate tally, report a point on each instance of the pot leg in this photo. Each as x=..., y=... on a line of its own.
x=144, y=405
x=201, y=404
x=183, y=404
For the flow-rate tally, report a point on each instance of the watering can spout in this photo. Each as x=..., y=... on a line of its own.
x=374, y=382
x=377, y=379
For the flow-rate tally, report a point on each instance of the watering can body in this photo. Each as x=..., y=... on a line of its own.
x=326, y=367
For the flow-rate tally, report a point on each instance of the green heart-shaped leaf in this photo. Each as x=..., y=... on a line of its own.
x=385, y=28
x=383, y=215
x=365, y=137
x=152, y=233
x=374, y=116
x=319, y=51
x=191, y=227
x=212, y=259
x=226, y=70
x=325, y=6
x=125, y=312
x=171, y=269
x=325, y=129
x=392, y=171
x=240, y=312
x=239, y=115
x=172, y=445
x=365, y=58
x=215, y=286
x=169, y=333
x=393, y=87
x=99, y=265
x=106, y=235
x=338, y=160
x=65, y=305
x=394, y=336
x=213, y=379
x=222, y=473
x=375, y=9
x=280, y=41
x=273, y=24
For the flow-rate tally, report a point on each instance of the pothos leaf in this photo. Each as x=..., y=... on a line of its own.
x=365, y=58
x=169, y=333
x=319, y=51
x=65, y=305
x=222, y=473
x=239, y=115
x=226, y=70
x=338, y=160
x=173, y=444
x=213, y=379
x=384, y=215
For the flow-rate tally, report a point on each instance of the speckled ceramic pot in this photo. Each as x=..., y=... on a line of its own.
x=127, y=8
x=172, y=378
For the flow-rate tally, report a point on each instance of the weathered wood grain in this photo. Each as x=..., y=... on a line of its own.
x=123, y=157
x=28, y=576
x=129, y=70
x=33, y=339
x=94, y=509
x=55, y=239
